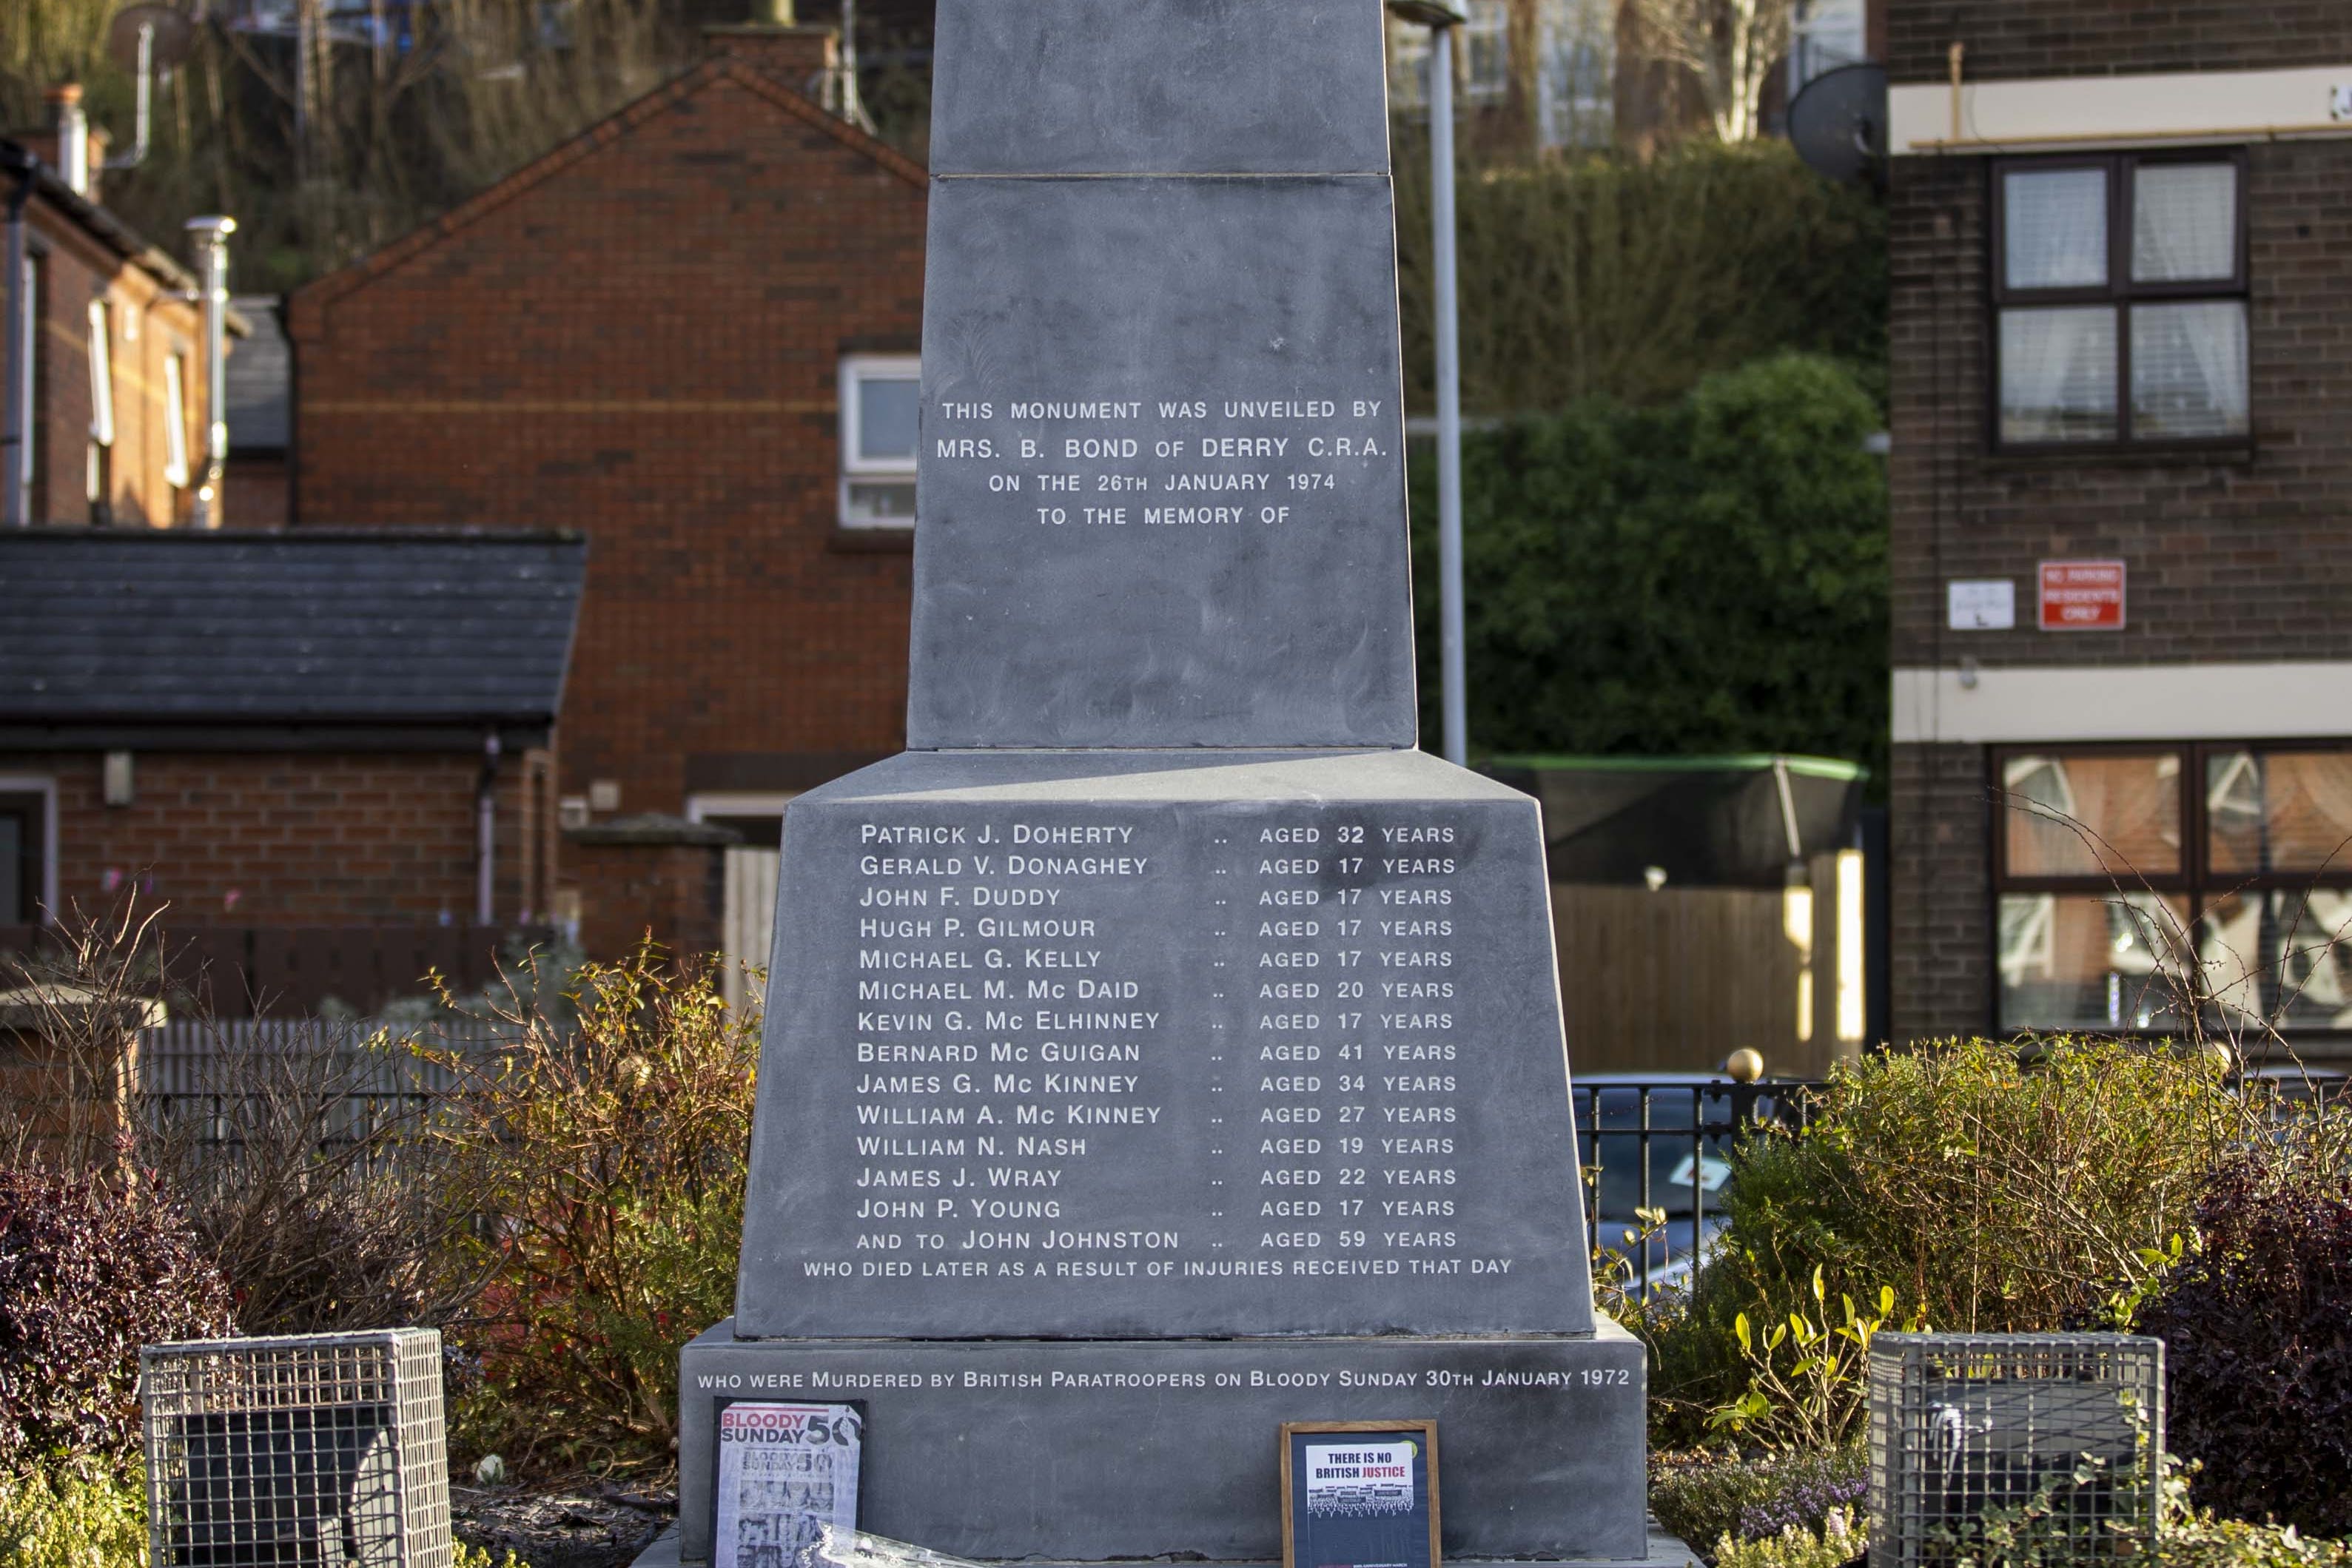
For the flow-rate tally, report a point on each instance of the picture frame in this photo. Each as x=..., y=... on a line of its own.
x=1342, y=1505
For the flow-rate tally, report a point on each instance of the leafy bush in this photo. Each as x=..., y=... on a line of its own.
x=77, y=1512
x=1837, y=1542
x=89, y=1272
x=2206, y=1542
x=1995, y=1194
x=1705, y=1496
x=1708, y=575
x=2090, y=1513
x=1634, y=278
x=468, y=1555
x=2257, y=1326
x=1808, y=1374
x=611, y=1152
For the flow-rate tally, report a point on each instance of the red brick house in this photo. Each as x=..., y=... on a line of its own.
x=330, y=755
x=688, y=333
x=2122, y=769
x=114, y=427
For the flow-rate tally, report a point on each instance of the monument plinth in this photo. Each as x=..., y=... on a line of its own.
x=1161, y=1050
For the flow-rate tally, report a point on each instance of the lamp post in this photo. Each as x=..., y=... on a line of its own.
x=1441, y=18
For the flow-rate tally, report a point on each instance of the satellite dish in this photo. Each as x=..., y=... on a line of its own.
x=1838, y=122
x=171, y=35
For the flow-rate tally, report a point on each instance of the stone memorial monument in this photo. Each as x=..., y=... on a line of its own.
x=1161, y=1049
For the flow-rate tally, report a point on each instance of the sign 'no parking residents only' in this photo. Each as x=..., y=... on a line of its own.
x=2081, y=596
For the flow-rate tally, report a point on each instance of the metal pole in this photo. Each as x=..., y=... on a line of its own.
x=15, y=458
x=1452, y=685
x=212, y=265
x=485, y=801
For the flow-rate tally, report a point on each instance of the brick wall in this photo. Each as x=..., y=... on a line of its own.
x=296, y=838
x=649, y=878
x=258, y=490
x=2008, y=39
x=639, y=338
x=2231, y=557
x=1939, y=897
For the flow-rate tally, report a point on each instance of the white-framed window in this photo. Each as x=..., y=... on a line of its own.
x=98, y=471
x=1482, y=57
x=1577, y=76
x=881, y=397
x=1823, y=36
x=1485, y=46
x=175, y=420
x=101, y=376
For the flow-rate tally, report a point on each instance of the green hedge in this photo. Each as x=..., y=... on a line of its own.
x=1709, y=576
x=1634, y=280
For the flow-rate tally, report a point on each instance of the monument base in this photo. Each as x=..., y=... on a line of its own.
x=1664, y=1551
x=1089, y=1450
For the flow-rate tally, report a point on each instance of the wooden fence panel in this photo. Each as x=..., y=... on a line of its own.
x=1675, y=980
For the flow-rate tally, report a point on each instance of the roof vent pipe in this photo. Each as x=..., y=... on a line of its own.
x=16, y=366
x=144, y=54
x=771, y=14
x=73, y=138
x=212, y=275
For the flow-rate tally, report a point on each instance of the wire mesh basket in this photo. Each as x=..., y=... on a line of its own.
x=301, y=1451
x=2056, y=1438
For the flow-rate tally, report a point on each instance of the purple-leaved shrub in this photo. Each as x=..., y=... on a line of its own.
x=90, y=1271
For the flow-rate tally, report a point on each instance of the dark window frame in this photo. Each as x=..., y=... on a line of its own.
x=34, y=850
x=2194, y=882
x=2119, y=292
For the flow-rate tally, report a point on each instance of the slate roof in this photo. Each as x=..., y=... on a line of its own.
x=310, y=626
x=259, y=373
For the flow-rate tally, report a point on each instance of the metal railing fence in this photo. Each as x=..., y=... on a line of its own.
x=1623, y=1128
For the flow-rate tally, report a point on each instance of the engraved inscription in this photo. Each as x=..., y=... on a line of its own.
x=1169, y=464
x=1035, y=1099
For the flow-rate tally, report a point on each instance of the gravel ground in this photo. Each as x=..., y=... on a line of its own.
x=579, y=1523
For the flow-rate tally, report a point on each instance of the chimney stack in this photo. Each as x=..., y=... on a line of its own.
x=73, y=137
x=805, y=60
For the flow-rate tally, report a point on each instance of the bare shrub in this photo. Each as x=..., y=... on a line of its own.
x=299, y=1168
x=70, y=1015
x=304, y=1158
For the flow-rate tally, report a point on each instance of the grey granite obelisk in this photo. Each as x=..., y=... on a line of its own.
x=1161, y=1049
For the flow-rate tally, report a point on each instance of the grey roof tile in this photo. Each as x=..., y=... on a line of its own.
x=307, y=626
x=260, y=375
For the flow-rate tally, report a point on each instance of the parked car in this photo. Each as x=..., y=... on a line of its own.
x=1693, y=1122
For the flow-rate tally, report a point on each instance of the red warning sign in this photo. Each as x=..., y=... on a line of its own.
x=2082, y=595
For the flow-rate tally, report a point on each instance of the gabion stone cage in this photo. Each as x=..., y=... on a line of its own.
x=2060, y=1435
x=296, y=1451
